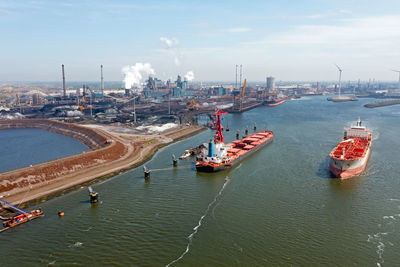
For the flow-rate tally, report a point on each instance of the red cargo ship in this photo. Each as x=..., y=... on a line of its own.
x=217, y=155
x=351, y=155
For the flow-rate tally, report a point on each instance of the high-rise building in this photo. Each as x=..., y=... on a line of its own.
x=270, y=83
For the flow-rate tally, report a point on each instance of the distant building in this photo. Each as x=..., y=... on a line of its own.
x=270, y=83
x=17, y=100
x=36, y=99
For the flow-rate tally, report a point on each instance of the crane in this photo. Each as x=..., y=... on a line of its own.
x=244, y=87
x=219, y=137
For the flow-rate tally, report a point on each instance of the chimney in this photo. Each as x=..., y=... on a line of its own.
x=65, y=91
x=102, y=80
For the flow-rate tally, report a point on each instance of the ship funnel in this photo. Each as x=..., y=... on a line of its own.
x=359, y=122
x=210, y=149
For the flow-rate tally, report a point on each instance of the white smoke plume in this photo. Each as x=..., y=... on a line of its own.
x=172, y=48
x=73, y=113
x=189, y=76
x=137, y=74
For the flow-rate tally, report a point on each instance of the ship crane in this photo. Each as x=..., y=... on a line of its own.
x=219, y=137
x=5, y=203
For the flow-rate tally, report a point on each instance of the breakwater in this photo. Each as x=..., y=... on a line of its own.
x=382, y=103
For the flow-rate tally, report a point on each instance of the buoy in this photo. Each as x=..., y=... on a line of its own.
x=174, y=161
x=146, y=173
x=61, y=213
x=94, y=196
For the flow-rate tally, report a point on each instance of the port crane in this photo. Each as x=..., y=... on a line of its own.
x=193, y=105
x=238, y=98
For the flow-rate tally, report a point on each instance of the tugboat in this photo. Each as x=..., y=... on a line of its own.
x=23, y=217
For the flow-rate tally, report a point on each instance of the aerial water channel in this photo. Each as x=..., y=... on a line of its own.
x=279, y=207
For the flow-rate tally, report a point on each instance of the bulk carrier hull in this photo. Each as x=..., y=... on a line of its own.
x=206, y=167
x=348, y=168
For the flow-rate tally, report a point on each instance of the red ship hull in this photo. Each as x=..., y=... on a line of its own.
x=347, y=173
x=273, y=104
x=239, y=152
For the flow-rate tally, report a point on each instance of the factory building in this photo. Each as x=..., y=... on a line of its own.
x=155, y=88
x=270, y=83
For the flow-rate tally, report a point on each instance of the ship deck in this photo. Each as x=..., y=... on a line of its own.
x=240, y=149
x=350, y=150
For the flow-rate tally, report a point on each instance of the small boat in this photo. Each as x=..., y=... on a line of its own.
x=22, y=218
x=186, y=154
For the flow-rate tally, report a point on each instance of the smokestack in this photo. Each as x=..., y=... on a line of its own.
x=240, y=75
x=65, y=91
x=102, y=80
x=236, y=77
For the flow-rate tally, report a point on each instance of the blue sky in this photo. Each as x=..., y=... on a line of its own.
x=291, y=40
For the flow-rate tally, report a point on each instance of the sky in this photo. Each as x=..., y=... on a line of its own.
x=290, y=40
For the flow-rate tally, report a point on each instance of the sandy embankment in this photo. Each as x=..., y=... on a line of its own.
x=123, y=152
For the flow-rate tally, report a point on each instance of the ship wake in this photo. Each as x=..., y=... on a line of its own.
x=384, y=238
x=196, y=228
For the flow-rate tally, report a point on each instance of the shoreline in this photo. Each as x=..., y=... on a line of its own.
x=136, y=154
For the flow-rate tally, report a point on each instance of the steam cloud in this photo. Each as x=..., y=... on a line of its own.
x=172, y=48
x=189, y=76
x=137, y=74
x=169, y=42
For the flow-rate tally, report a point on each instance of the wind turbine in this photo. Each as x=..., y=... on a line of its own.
x=399, y=76
x=340, y=78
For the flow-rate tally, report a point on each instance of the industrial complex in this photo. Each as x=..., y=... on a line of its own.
x=180, y=101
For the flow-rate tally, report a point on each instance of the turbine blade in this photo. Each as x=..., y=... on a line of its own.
x=338, y=67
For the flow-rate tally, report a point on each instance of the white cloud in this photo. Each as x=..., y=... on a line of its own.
x=370, y=34
x=170, y=43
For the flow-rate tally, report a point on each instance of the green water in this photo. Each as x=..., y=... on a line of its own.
x=279, y=207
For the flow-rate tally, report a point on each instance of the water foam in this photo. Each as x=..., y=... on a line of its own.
x=76, y=244
x=380, y=239
x=196, y=228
